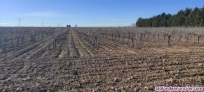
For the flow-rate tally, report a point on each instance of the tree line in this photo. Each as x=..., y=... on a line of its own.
x=188, y=18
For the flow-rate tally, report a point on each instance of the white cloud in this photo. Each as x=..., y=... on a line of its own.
x=42, y=14
x=47, y=14
x=2, y=23
x=134, y=13
x=116, y=22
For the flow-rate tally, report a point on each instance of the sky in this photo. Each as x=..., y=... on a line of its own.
x=86, y=13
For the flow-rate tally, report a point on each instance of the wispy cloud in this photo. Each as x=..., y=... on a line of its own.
x=134, y=13
x=49, y=14
x=41, y=14
x=3, y=23
x=116, y=22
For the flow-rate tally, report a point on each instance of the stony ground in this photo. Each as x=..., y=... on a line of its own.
x=75, y=65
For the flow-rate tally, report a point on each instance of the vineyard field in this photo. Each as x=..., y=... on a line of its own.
x=106, y=59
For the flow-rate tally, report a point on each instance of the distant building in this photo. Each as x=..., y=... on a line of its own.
x=68, y=25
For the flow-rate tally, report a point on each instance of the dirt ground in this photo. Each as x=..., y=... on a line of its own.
x=74, y=65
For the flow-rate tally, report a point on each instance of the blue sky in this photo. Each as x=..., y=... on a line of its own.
x=86, y=12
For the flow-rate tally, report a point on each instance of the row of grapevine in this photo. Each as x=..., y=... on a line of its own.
x=134, y=37
x=18, y=37
x=89, y=34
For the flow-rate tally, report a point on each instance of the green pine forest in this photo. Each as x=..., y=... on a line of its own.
x=184, y=18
